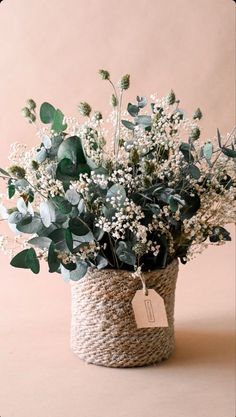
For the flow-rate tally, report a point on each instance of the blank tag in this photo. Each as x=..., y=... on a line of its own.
x=149, y=310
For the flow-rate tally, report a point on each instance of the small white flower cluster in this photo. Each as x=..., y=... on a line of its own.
x=82, y=185
x=49, y=185
x=125, y=178
x=126, y=219
x=99, y=179
x=91, y=249
x=65, y=257
x=153, y=247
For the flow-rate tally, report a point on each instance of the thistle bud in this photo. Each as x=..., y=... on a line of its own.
x=114, y=101
x=34, y=165
x=197, y=114
x=124, y=82
x=171, y=98
x=11, y=210
x=97, y=115
x=104, y=74
x=195, y=133
x=31, y=104
x=25, y=112
x=84, y=109
x=134, y=156
x=17, y=171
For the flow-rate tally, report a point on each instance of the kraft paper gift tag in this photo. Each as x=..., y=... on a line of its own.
x=149, y=310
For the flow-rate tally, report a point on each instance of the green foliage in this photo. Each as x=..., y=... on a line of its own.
x=26, y=259
x=128, y=125
x=78, y=226
x=53, y=261
x=129, y=210
x=125, y=253
x=11, y=190
x=208, y=150
x=71, y=148
x=47, y=112
x=79, y=272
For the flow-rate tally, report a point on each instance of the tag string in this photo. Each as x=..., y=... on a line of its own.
x=145, y=290
x=138, y=274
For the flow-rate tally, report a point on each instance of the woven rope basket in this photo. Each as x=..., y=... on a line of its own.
x=103, y=327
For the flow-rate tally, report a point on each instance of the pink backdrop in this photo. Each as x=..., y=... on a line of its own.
x=51, y=50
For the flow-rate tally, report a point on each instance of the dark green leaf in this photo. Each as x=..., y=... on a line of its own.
x=58, y=237
x=58, y=125
x=128, y=125
x=228, y=152
x=26, y=259
x=62, y=204
x=32, y=261
x=173, y=204
x=69, y=240
x=47, y=112
x=132, y=110
x=125, y=253
x=192, y=204
x=71, y=148
x=219, y=233
x=11, y=190
x=194, y=171
x=53, y=261
x=78, y=227
x=185, y=148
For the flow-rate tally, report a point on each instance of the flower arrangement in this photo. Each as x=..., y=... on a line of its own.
x=160, y=193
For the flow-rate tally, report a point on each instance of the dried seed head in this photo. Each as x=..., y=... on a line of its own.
x=35, y=165
x=84, y=109
x=114, y=101
x=104, y=74
x=197, y=114
x=17, y=171
x=171, y=98
x=97, y=115
x=25, y=112
x=31, y=104
x=124, y=83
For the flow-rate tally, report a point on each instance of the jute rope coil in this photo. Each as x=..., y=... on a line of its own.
x=103, y=327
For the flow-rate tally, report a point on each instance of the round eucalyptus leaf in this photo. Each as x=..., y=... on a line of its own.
x=72, y=196
x=46, y=113
x=47, y=213
x=79, y=272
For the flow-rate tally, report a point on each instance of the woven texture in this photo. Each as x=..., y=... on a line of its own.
x=103, y=327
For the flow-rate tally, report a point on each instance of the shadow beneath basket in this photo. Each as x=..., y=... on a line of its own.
x=197, y=347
